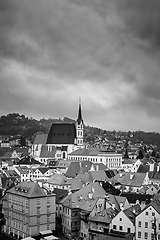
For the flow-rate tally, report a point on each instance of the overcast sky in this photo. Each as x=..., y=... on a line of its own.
x=105, y=51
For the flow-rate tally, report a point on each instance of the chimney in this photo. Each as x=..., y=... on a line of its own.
x=113, y=206
x=90, y=195
x=131, y=176
x=121, y=206
x=92, y=189
x=151, y=167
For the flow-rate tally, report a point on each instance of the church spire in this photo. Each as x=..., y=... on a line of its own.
x=79, y=119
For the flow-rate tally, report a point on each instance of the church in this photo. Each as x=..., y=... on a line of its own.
x=62, y=139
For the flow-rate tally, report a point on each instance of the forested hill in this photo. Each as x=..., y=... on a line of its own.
x=16, y=124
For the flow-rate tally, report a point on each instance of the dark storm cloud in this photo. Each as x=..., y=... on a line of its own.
x=105, y=51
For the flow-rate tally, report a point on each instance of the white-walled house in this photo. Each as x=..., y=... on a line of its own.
x=148, y=220
x=124, y=222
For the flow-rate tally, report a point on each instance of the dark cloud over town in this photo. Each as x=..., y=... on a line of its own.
x=105, y=51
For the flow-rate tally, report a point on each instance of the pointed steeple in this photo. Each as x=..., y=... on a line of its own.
x=79, y=119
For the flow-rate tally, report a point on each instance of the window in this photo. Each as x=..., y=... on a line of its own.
x=114, y=227
x=146, y=213
x=158, y=236
x=152, y=236
x=153, y=214
x=159, y=226
x=139, y=223
x=120, y=219
x=152, y=225
x=146, y=224
x=146, y=235
x=120, y=228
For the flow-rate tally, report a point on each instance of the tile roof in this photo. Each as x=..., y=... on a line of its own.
x=47, y=154
x=58, y=179
x=84, y=152
x=40, y=138
x=75, y=183
x=143, y=169
x=84, y=178
x=77, y=167
x=127, y=161
x=155, y=203
x=60, y=194
x=11, y=174
x=43, y=169
x=98, y=175
x=99, y=166
x=28, y=161
x=73, y=170
x=23, y=170
x=104, y=216
x=62, y=133
x=81, y=197
x=136, y=181
x=28, y=189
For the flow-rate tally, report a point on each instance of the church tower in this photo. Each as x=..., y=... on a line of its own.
x=79, y=126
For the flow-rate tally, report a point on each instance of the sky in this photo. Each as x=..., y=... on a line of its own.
x=106, y=52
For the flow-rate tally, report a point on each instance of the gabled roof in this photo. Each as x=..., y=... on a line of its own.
x=73, y=170
x=110, y=173
x=28, y=189
x=60, y=194
x=10, y=174
x=136, y=209
x=40, y=138
x=84, y=152
x=62, y=133
x=117, y=200
x=58, y=179
x=75, y=183
x=136, y=181
x=98, y=175
x=155, y=203
x=23, y=170
x=127, y=161
x=77, y=167
x=88, y=206
x=99, y=166
x=84, y=178
x=143, y=168
x=47, y=154
x=81, y=197
x=43, y=170
x=28, y=161
x=104, y=216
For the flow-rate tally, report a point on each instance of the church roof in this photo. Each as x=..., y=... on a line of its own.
x=40, y=138
x=62, y=133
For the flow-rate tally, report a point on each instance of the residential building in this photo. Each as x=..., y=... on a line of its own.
x=100, y=224
x=29, y=209
x=148, y=222
x=71, y=220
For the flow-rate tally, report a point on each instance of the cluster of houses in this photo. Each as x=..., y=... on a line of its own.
x=60, y=185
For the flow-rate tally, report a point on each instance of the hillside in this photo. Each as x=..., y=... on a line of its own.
x=15, y=124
